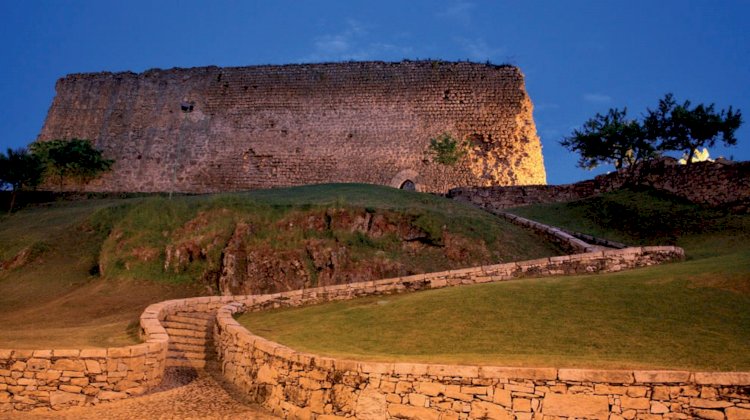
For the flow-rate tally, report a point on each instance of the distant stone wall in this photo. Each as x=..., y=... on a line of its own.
x=709, y=183
x=274, y=126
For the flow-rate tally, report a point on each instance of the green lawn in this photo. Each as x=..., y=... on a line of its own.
x=690, y=315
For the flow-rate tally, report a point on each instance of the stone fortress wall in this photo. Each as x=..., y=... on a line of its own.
x=283, y=125
x=718, y=183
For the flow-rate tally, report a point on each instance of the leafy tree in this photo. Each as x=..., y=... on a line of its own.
x=611, y=138
x=20, y=170
x=681, y=127
x=446, y=150
x=75, y=159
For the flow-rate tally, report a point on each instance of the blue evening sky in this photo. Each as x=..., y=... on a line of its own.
x=579, y=57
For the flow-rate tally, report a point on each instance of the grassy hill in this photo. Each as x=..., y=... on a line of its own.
x=79, y=273
x=689, y=315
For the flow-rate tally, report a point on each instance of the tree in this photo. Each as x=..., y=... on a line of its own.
x=681, y=127
x=75, y=159
x=611, y=138
x=20, y=170
x=446, y=150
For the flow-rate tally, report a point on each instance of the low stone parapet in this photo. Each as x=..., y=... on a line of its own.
x=60, y=378
x=294, y=384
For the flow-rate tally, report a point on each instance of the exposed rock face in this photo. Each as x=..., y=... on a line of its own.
x=272, y=126
x=251, y=266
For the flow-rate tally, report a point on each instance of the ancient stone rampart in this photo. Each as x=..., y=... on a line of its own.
x=713, y=184
x=274, y=126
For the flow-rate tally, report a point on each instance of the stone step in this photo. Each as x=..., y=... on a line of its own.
x=196, y=315
x=190, y=320
x=184, y=326
x=186, y=355
x=189, y=347
x=178, y=332
x=191, y=340
x=186, y=363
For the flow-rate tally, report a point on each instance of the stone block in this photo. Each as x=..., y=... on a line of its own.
x=601, y=389
x=60, y=399
x=502, y=397
x=41, y=354
x=635, y=403
x=576, y=405
x=708, y=414
x=371, y=405
x=453, y=370
x=734, y=413
x=486, y=410
x=23, y=354
x=722, y=378
x=661, y=376
x=66, y=353
x=92, y=366
x=659, y=408
x=521, y=405
x=454, y=391
x=517, y=373
x=37, y=365
x=69, y=365
x=430, y=388
x=111, y=395
x=592, y=375
x=71, y=388
x=404, y=387
x=418, y=400
x=402, y=411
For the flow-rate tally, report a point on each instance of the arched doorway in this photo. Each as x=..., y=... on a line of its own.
x=406, y=179
x=408, y=185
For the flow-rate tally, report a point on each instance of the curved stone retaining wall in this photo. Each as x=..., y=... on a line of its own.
x=299, y=385
x=296, y=384
x=63, y=378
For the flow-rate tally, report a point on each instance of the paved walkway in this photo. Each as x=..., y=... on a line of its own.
x=184, y=394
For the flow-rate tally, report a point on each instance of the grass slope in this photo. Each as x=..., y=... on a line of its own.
x=59, y=299
x=147, y=225
x=690, y=315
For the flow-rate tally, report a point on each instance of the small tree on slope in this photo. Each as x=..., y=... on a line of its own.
x=20, y=170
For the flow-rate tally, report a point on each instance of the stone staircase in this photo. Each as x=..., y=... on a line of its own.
x=190, y=338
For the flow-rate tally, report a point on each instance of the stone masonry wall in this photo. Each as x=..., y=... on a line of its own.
x=709, y=183
x=300, y=385
x=274, y=126
x=60, y=378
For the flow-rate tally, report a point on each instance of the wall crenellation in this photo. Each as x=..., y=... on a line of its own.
x=273, y=126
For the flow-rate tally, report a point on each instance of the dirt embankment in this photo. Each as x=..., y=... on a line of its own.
x=235, y=255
